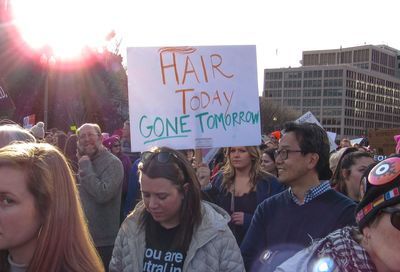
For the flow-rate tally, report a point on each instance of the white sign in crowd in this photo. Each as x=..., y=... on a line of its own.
x=193, y=97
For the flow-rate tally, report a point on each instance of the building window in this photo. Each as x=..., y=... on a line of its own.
x=311, y=102
x=332, y=112
x=332, y=102
x=292, y=93
x=311, y=92
x=333, y=92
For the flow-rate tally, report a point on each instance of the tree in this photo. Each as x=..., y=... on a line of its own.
x=273, y=115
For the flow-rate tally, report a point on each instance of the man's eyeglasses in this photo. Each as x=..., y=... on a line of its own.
x=116, y=145
x=284, y=153
x=394, y=216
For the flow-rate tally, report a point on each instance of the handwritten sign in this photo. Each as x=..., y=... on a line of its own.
x=308, y=117
x=193, y=97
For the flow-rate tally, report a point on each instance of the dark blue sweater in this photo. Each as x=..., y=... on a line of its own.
x=280, y=227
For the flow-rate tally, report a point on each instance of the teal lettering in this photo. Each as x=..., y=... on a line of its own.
x=248, y=116
x=213, y=123
x=255, y=117
x=148, y=127
x=220, y=119
x=216, y=121
x=183, y=123
x=200, y=117
x=161, y=124
x=228, y=119
x=234, y=117
x=160, y=129
x=241, y=115
x=170, y=126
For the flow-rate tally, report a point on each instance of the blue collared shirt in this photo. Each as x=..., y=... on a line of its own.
x=312, y=193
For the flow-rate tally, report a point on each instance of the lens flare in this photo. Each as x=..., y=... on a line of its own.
x=67, y=28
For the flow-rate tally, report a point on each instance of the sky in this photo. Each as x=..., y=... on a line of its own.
x=280, y=29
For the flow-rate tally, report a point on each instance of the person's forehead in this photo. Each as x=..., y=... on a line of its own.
x=86, y=129
x=289, y=139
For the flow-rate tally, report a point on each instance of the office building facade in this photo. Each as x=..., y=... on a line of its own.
x=349, y=90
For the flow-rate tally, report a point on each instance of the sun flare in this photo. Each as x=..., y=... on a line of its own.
x=66, y=27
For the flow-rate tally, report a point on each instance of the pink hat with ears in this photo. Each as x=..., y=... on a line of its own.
x=397, y=140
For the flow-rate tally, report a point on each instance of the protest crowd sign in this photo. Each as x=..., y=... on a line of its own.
x=193, y=97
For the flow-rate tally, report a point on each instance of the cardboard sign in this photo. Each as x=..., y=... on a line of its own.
x=383, y=140
x=193, y=97
x=308, y=117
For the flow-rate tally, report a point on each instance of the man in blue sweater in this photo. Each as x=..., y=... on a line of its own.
x=309, y=209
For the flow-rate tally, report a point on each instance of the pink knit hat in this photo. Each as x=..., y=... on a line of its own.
x=110, y=141
x=397, y=140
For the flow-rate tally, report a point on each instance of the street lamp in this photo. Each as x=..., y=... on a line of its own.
x=49, y=62
x=274, y=119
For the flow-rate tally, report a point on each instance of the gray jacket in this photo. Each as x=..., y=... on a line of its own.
x=213, y=247
x=100, y=185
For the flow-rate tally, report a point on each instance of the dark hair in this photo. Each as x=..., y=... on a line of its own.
x=179, y=171
x=312, y=139
x=71, y=145
x=270, y=152
x=345, y=163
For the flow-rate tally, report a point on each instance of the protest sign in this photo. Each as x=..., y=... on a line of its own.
x=383, y=140
x=193, y=97
x=308, y=117
x=29, y=121
x=6, y=103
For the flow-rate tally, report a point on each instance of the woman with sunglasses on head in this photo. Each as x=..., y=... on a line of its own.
x=240, y=186
x=375, y=244
x=42, y=225
x=171, y=229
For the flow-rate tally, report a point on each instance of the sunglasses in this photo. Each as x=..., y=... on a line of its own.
x=394, y=216
x=161, y=157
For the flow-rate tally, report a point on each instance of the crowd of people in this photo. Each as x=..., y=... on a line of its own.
x=82, y=202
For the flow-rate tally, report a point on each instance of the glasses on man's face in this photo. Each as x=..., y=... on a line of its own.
x=284, y=153
x=116, y=145
x=394, y=216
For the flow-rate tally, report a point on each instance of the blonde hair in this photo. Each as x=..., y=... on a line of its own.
x=229, y=171
x=64, y=242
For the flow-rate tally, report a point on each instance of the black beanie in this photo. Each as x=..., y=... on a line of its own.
x=383, y=190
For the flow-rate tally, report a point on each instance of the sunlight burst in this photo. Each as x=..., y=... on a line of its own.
x=66, y=27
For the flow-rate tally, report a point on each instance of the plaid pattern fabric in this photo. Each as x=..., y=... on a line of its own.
x=312, y=193
x=346, y=253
